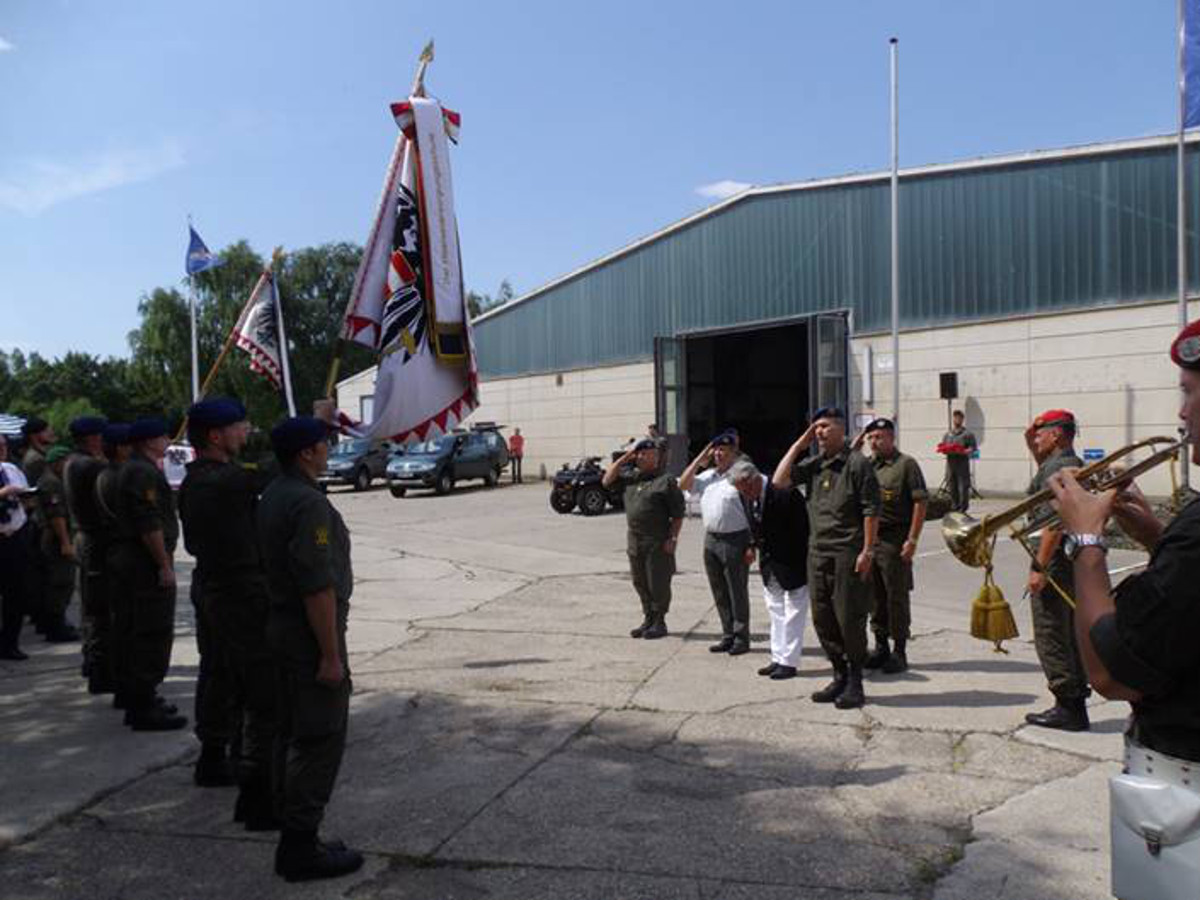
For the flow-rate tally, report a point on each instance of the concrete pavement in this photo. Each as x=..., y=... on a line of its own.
x=509, y=740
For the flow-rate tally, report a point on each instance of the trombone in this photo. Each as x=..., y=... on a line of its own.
x=971, y=540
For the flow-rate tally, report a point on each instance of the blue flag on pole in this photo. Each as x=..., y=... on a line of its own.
x=1191, y=63
x=199, y=257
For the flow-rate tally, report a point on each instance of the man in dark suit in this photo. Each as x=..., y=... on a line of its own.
x=779, y=521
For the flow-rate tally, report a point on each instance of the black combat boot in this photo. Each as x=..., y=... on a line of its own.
x=1065, y=715
x=852, y=697
x=833, y=690
x=722, y=646
x=879, y=655
x=144, y=714
x=299, y=856
x=212, y=767
x=640, y=631
x=897, y=661
x=657, y=629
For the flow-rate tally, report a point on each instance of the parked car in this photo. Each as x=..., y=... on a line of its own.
x=443, y=462
x=580, y=485
x=357, y=462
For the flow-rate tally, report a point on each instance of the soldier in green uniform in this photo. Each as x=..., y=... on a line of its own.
x=57, y=549
x=843, y=509
x=117, y=450
x=39, y=438
x=306, y=558
x=217, y=505
x=902, y=498
x=79, y=481
x=1051, y=439
x=143, y=564
x=654, y=511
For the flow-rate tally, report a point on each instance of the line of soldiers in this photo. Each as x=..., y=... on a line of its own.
x=271, y=591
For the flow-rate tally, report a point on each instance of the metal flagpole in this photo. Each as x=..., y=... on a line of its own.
x=1181, y=209
x=895, y=236
x=283, y=347
x=195, y=346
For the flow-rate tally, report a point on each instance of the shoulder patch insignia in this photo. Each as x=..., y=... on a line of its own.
x=321, y=536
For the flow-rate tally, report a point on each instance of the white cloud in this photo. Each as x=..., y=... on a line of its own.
x=722, y=190
x=41, y=184
x=6, y=45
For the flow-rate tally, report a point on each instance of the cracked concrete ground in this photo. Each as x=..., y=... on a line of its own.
x=508, y=740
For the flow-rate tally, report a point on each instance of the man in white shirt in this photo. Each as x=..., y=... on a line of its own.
x=15, y=558
x=727, y=542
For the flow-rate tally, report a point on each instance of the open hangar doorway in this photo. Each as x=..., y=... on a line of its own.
x=764, y=379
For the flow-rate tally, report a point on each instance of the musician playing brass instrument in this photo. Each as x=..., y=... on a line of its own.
x=1138, y=644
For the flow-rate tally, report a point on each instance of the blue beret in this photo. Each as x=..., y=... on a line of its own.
x=646, y=444
x=291, y=436
x=829, y=412
x=216, y=412
x=86, y=426
x=147, y=429
x=879, y=424
x=116, y=434
x=728, y=437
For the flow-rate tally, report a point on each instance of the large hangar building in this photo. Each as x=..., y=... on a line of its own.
x=1041, y=280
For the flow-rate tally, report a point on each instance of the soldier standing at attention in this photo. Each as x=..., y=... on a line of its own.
x=217, y=505
x=306, y=557
x=843, y=510
x=79, y=481
x=39, y=437
x=654, y=510
x=902, y=498
x=144, y=567
x=57, y=549
x=117, y=451
x=1051, y=439
x=958, y=464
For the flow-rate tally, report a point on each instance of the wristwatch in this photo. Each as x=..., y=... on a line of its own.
x=1076, y=542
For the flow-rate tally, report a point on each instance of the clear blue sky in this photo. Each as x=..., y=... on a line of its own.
x=585, y=125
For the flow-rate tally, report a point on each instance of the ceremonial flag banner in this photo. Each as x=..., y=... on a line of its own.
x=1191, y=63
x=199, y=257
x=408, y=302
x=258, y=331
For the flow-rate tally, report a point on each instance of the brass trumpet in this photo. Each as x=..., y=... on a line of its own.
x=971, y=540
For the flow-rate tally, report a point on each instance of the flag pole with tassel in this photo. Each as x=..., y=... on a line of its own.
x=324, y=407
x=212, y=372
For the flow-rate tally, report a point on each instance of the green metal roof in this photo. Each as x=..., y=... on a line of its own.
x=986, y=239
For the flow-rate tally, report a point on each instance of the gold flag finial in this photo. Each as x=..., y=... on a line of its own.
x=423, y=61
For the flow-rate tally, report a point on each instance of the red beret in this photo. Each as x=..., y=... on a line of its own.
x=1185, y=351
x=1054, y=417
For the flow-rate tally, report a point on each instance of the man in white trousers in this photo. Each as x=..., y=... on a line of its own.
x=780, y=526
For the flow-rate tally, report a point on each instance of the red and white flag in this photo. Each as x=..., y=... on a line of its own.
x=259, y=331
x=408, y=301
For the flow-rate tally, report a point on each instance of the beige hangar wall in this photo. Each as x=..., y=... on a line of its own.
x=1109, y=367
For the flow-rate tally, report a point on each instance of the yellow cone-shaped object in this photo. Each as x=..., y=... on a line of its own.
x=991, y=618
